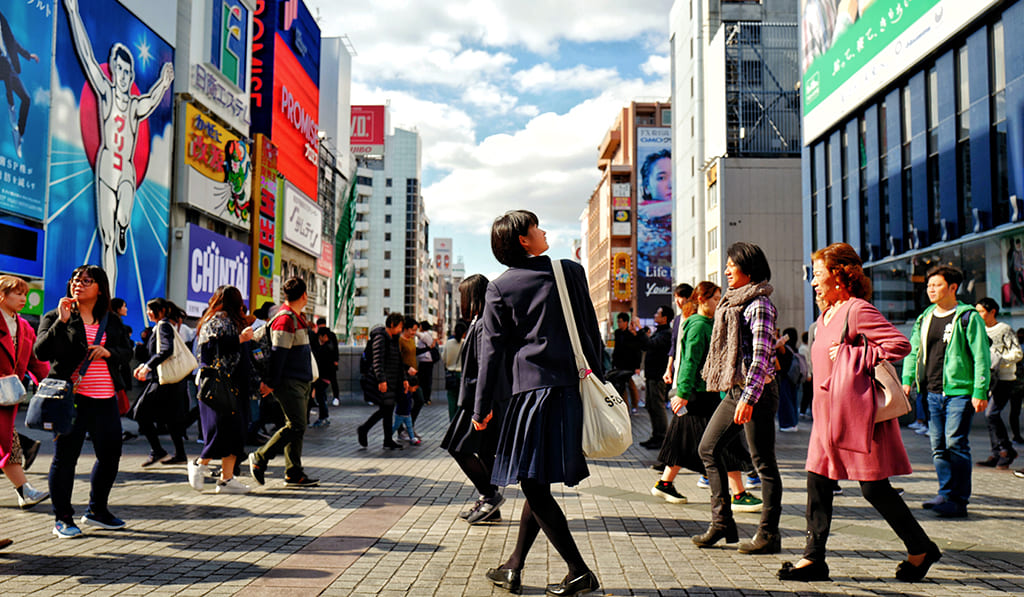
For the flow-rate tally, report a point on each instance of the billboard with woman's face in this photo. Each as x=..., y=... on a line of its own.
x=654, y=218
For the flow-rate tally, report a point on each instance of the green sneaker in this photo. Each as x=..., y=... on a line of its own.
x=746, y=502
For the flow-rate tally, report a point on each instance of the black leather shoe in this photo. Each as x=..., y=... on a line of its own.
x=392, y=445
x=762, y=543
x=716, y=533
x=361, y=436
x=910, y=573
x=29, y=454
x=510, y=580
x=571, y=587
x=816, y=571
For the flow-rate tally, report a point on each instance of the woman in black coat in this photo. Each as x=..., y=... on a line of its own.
x=67, y=338
x=167, y=403
x=474, y=450
x=541, y=438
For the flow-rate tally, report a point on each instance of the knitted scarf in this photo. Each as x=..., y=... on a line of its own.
x=721, y=369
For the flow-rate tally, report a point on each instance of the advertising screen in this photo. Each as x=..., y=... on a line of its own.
x=265, y=231
x=295, y=129
x=27, y=30
x=218, y=169
x=229, y=44
x=213, y=261
x=653, y=219
x=368, y=130
x=851, y=49
x=111, y=141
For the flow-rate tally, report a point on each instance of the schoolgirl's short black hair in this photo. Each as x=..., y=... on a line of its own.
x=751, y=260
x=472, y=295
x=505, y=233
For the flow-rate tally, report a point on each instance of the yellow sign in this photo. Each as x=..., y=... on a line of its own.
x=208, y=146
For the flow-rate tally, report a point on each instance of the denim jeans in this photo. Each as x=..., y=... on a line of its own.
x=949, y=424
x=98, y=417
x=997, y=434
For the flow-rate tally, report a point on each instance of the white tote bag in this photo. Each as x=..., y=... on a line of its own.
x=180, y=364
x=607, y=431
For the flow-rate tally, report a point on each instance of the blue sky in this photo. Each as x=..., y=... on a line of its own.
x=510, y=98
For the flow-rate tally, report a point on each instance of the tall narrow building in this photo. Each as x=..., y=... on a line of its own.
x=736, y=141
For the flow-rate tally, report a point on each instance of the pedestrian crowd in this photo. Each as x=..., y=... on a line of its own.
x=715, y=376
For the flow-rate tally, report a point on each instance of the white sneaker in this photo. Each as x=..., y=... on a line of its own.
x=792, y=429
x=30, y=496
x=197, y=474
x=335, y=402
x=403, y=435
x=232, y=485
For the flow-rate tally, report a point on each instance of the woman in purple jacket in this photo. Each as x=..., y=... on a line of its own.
x=843, y=290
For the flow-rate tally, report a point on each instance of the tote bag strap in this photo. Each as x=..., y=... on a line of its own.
x=570, y=320
x=99, y=336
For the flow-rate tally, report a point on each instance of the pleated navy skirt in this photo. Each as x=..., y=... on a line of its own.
x=462, y=438
x=542, y=438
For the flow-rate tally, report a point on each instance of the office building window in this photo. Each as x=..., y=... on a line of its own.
x=387, y=237
x=963, y=142
x=934, y=205
x=883, y=175
x=387, y=182
x=387, y=218
x=829, y=213
x=387, y=273
x=713, y=239
x=844, y=185
x=908, y=181
x=1000, y=165
x=387, y=200
x=815, y=241
x=865, y=215
x=387, y=254
x=387, y=292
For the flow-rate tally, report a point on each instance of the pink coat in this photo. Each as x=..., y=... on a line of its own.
x=885, y=454
x=16, y=363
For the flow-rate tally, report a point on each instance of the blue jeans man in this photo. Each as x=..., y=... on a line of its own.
x=949, y=424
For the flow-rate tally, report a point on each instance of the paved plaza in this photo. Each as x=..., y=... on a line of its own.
x=385, y=523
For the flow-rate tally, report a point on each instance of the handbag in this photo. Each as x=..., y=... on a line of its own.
x=179, y=365
x=11, y=390
x=607, y=431
x=891, y=402
x=215, y=390
x=52, y=407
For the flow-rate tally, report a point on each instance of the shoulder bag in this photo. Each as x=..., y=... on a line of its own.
x=891, y=401
x=214, y=389
x=607, y=431
x=52, y=407
x=12, y=391
x=180, y=364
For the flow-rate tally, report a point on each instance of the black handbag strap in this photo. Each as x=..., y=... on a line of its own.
x=99, y=336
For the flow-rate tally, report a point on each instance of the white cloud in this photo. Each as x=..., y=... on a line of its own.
x=656, y=65
x=544, y=78
x=489, y=97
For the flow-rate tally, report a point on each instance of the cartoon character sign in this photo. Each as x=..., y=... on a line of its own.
x=110, y=167
x=236, y=174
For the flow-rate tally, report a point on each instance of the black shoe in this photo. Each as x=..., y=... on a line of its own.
x=257, y=470
x=175, y=460
x=989, y=462
x=657, y=466
x=1006, y=458
x=154, y=459
x=487, y=510
x=815, y=571
x=908, y=572
x=510, y=580
x=361, y=434
x=30, y=454
x=128, y=436
x=716, y=533
x=571, y=587
x=392, y=445
x=762, y=543
x=301, y=481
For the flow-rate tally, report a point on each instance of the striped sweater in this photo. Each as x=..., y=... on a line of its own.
x=290, y=353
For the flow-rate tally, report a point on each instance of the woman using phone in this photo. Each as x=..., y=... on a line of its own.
x=70, y=336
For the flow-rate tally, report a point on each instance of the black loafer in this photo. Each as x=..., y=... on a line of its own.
x=571, y=587
x=29, y=454
x=510, y=580
x=816, y=571
x=908, y=572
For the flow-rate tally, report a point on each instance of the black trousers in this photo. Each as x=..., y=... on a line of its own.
x=879, y=494
x=997, y=434
x=656, y=395
x=425, y=377
x=99, y=418
x=385, y=412
x=760, y=432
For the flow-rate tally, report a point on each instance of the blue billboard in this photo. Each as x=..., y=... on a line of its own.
x=26, y=34
x=214, y=261
x=110, y=176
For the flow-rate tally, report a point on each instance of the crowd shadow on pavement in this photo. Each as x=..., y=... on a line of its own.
x=130, y=568
x=212, y=511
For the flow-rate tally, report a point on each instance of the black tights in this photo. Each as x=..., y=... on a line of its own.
x=478, y=469
x=541, y=512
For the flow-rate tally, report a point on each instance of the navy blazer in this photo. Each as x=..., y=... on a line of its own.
x=523, y=321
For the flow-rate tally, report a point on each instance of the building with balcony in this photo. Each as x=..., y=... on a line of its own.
x=736, y=141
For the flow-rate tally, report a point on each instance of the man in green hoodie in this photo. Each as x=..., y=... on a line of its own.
x=949, y=360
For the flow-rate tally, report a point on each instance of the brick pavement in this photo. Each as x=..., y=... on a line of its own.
x=386, y=524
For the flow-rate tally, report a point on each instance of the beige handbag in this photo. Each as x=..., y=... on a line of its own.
x=180, y=364
x=891, y=401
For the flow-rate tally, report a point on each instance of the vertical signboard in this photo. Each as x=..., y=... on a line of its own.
x=302, y=226
x=443, y=256
x=654, y=218
x=229, y=47
x=217, y=169
x=213, y=261
x=368, y=130
x=264, y=231
x=27, y=34
x=111, y=140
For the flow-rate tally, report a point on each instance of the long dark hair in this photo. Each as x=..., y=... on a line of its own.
x=472, y=294
x=226, y=299
x=99, y=277
x=159, y=307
